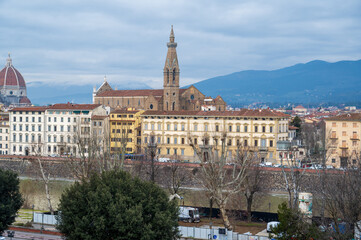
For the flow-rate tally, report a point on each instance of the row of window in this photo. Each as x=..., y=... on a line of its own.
x=37, y=150
x=5, y=145
x=206, y=128
x=216, y=118
x=26, y=138
x=33, y=127
x=334, y=124
x=51, y=119
x=230, y=142
x=61, y=129
x=26, y=119
x=5, y=138
x=27, y=112
x=123, y=116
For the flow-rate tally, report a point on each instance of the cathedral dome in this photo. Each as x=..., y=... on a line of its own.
x=10, y=76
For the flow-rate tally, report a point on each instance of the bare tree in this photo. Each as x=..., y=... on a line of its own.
x=343, y=200
x=91, y=153
x=292, y=176
x=252, y=185
x=86, y=156
x=221, y=180
x=44, y=167
x=175, y=177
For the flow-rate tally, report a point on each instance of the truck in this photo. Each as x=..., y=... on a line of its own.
x=188, y=214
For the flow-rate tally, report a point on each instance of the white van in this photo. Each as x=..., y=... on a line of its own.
x=272, y=225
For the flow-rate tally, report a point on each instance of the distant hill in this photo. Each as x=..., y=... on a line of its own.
x=312, y=82
x=43, y=94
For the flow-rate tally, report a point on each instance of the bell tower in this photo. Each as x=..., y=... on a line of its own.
x=171, y=77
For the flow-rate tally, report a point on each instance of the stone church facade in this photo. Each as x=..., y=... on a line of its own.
x=170, y=98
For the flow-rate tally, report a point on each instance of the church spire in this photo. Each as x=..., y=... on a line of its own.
x=171, y=77
x=171, y=37
x=171, y=43
x=8, y=61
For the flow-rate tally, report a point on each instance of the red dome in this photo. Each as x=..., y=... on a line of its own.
x=9, y=76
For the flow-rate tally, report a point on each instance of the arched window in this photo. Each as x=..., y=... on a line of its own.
x=167, y=75
x=173, y=76
x=173, y=106
x=151, y=106
x=167, y=105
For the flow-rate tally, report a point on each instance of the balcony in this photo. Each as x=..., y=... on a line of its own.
x=333, y=136
x=355, y=137
x=263, y=149
x=344, y=146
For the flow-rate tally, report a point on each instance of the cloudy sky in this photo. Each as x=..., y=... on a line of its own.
x=78, y=42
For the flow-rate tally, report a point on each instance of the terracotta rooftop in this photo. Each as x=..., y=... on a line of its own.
x=240, y=113
x=345, y=117
x=134, y=93
x=292, y=127
x=72, y=106
x=30, y=109
x=124, y=111
x=24, y=99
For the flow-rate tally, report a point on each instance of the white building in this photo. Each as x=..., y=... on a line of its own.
x=4, y=134
x=53, y=130
x=27, y=131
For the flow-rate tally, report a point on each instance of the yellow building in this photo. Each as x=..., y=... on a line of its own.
x=172, y=130
x=125, y=131
x=343, y=139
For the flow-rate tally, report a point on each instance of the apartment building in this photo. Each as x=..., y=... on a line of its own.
x=125, y=131
x=343, y=139
x=27, y=130
x=52, y=130
x=4, y=134
x=100, y=132
x=173, y=131
x=68, y=127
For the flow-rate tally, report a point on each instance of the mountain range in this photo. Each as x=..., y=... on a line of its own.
x=313, y=82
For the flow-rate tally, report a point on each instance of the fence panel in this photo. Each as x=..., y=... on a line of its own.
x=205, y=233
x=44, y=218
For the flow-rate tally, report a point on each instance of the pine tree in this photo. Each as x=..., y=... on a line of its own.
x=10, y=198
x=115, y=205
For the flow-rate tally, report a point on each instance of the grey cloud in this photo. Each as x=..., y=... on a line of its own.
x=127, y=39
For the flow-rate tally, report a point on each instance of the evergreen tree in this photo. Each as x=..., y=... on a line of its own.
x=10, y=198
x=293, y=226
x=115, y=205
x=296, y=122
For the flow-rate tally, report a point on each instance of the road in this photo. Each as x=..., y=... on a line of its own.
x=35, y=236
